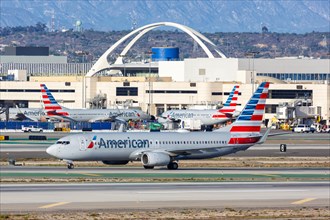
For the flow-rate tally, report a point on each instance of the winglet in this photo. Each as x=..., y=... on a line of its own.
x=264, y=136
x=18, y=109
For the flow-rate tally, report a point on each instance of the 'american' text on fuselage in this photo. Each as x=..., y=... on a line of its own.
x=129, y=143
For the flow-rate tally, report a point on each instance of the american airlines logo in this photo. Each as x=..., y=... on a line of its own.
x=127, y=143
x=181, y=115
x=34, y=113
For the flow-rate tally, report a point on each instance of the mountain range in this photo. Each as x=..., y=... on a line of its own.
x=283, y=16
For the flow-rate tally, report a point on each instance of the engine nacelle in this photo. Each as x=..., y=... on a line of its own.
x=119, y=162
x=155, y=159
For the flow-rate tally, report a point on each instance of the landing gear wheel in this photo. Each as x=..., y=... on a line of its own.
x=172, y=166
x=148, y=167
x=70, y=166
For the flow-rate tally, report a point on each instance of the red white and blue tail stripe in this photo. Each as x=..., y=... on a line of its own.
x=251, y=117
x=231, y=103
x=50, y=104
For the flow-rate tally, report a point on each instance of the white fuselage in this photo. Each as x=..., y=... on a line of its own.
x=206, y=117
x=90, y=115
x=35, y=114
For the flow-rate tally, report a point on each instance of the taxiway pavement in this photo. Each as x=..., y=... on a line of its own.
x=104, y=196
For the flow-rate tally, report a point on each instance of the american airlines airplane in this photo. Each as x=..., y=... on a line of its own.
x=54, y=110
x=207, y=117
x=166, y=148
x=21, y=114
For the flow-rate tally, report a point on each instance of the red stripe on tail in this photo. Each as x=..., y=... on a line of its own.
x=260, y=106
x=263, y=95
x=245, y=129
x=53, y=107
x=256, y=117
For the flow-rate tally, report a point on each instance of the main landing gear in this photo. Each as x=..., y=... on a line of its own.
x=172, y=166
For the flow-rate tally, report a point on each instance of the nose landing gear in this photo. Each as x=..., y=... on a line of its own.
x=70, y=164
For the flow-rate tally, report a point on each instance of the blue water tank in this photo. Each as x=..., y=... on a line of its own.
x=165, y=53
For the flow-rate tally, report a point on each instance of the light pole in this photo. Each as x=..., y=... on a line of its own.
x=251, y=55
x=149, y=82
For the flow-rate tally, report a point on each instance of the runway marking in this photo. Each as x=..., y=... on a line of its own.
x=221, y=191
x=53, y=205
x=89, y=174
x=303, y=201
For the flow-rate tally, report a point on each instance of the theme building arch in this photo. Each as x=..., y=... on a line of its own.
x=102, y=62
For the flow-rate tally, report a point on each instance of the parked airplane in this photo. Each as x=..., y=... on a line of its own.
x=21, y=114
x=206, y=117
x=166, y=148
x=54, y=110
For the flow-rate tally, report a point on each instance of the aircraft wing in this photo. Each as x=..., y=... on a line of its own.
x=111, y=118
x=21, y=116
x=55, y=114
x=194, y=151
x=167, y=119
x=266, y=134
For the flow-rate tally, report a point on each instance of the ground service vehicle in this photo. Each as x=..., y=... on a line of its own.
x=302, y=128
x=31, y=128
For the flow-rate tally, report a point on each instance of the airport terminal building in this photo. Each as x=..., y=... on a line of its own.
x=160, y=93
x=162, y=84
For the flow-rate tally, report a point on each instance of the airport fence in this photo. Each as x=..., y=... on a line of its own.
x=13, y=125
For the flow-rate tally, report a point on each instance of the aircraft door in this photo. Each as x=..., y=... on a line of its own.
x=83, y=146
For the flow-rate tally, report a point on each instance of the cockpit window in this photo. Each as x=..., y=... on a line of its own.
x=58, y=142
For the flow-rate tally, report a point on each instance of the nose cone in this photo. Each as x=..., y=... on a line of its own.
x=51, y=150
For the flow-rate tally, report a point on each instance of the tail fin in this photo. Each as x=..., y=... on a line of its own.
x=231, y=103
x=50, y=104
x=250, y=118
x=48, y=99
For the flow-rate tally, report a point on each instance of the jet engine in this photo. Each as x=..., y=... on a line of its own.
x=119, y=162
x=151, y=159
